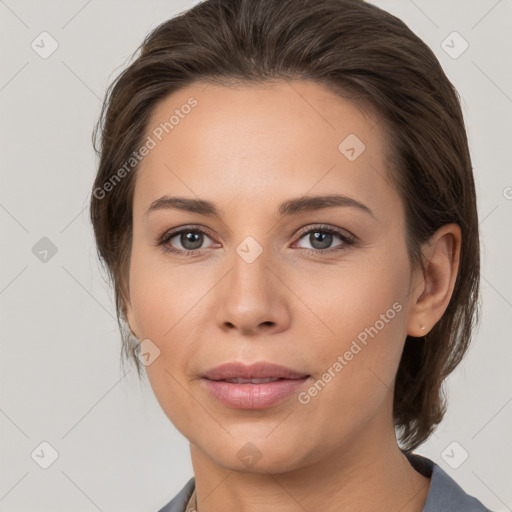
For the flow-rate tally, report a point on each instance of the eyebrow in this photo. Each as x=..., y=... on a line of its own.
x=289, y=207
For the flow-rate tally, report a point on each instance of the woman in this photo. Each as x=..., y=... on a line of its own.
x=286, y=207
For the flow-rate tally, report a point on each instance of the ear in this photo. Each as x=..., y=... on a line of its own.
x=433, y=285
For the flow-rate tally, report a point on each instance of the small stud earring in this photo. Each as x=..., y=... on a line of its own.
x=422, y=327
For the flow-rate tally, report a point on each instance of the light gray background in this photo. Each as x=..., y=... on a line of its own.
x=59, y=351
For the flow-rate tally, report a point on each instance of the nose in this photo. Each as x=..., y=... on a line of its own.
x=252, y=299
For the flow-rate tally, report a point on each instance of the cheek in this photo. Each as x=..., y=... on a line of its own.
x=365, y=311
x=162, y=304
x=161, y=294
x=356, y=371
x=163, y=300
x=353, y=297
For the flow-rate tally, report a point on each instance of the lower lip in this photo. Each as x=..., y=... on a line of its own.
x=253, y=396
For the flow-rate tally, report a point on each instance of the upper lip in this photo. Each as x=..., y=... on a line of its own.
x=259, y=370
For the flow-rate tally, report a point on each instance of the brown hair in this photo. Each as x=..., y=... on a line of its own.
x=358, y=51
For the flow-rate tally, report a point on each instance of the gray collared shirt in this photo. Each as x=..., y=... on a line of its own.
x=444, y=494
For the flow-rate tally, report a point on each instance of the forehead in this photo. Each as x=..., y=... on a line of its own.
x=259, y=142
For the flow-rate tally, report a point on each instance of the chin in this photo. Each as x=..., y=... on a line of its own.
x=257, y=452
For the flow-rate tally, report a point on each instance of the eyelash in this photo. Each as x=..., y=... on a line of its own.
x=347, y=239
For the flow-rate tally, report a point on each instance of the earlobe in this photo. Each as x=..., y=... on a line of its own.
x=441, y=257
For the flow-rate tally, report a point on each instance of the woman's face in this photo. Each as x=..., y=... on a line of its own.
x=321, y=288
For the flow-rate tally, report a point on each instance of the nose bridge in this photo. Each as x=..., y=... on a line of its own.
x=249, y=279
x=252, y=298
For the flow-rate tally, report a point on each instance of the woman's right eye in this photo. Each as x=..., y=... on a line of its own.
x=189, y=239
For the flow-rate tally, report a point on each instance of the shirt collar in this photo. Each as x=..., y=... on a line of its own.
x=444, y=493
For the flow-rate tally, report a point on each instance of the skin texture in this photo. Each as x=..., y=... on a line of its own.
x=248, y=149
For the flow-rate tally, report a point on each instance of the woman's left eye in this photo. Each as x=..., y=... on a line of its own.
x=321, y=239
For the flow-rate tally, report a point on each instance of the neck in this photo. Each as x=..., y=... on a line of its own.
x=367, y=474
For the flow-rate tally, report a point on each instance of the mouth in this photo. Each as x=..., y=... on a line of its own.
x=252, y=372
x=253, y=381
x=254, y=386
